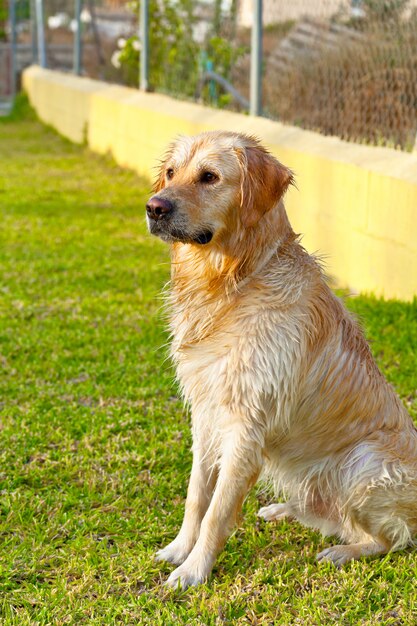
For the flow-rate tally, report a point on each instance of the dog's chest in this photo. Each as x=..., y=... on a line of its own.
x=248, y=360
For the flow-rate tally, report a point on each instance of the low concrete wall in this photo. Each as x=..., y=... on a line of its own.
x=357, y=205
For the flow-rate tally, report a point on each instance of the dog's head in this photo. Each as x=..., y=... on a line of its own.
x=211, y=183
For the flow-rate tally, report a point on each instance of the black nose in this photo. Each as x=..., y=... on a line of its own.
x=158, y=208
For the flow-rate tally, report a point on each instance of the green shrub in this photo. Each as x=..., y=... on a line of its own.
x=177, y=61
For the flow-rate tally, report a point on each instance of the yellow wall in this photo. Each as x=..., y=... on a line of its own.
x=357, y=205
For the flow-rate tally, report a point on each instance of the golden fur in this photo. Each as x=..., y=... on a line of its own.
x=279, y=377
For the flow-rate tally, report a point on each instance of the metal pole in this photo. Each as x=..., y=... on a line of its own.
x=256, y=60
x=41, y=33
x=33, y=31
x=97, y=40
x=77, y=38
x=13, y=46
x=144, y=40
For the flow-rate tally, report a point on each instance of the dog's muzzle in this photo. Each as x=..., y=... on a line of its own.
x=165, y=222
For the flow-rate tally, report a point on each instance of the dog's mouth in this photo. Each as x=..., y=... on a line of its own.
x=204, y=237
x=171, y=235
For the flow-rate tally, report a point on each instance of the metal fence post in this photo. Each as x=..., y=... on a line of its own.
x=13, y=46
x=77, y=38
x=41, y=33
x=144, y=40
x=256, y=60
x=33, y=31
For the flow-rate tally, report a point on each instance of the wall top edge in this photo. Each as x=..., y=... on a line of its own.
x=384, y=161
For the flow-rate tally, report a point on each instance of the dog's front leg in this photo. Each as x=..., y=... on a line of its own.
x=240, y=464
x=200, y=490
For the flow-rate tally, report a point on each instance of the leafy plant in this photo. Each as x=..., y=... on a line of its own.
x=174, y=54
x=178, y=57
x=3, y=18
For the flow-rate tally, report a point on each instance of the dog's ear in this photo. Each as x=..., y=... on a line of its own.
x=160, y=179
x=264, y=180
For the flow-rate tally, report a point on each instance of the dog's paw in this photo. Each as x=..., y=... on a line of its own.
x=184, y=577
x=175, y=552
x=338, y=555
x=274, y=512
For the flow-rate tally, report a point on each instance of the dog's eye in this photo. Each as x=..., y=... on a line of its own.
x=208, y=177
x=170, y=173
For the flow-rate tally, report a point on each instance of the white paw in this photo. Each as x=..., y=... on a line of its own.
x=175, y=552
x=184, y=577
x=274, y=512
x=338, y=555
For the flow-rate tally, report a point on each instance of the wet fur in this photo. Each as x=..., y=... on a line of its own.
x=280, y=379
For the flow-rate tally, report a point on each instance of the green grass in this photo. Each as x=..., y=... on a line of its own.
x=94, y=454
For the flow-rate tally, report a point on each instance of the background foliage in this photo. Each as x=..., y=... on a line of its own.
x=179, y=56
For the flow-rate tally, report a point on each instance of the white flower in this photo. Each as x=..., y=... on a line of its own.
x=115, y=59
x=58, y=21
x=121, y=42
x=53, y=22
x=85, y=16
x=137, y=45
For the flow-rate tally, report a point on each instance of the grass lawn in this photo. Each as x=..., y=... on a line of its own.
x=95, y=443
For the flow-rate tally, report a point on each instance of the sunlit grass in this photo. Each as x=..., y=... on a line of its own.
x=95, y=445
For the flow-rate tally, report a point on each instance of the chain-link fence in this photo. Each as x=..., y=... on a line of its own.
x=340, y=67
x=345, y=69
x=46, y=32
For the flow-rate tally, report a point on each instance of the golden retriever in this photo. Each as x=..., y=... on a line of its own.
x=281, y=382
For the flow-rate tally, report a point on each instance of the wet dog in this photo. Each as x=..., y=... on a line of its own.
x=279, y=377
